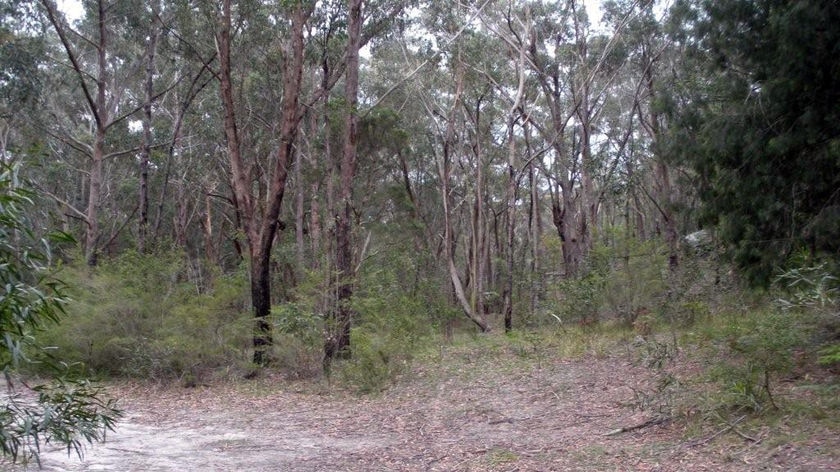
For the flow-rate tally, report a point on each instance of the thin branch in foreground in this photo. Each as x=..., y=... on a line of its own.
x=650, y=422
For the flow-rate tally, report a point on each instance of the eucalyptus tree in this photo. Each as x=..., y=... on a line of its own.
x=327, y=151
x=337, y=342
x=412, y=175
x=259, y=213
x=22, y=54
x=516, y=35
x=550, y=53
x=103, y=59
x=462, y=113
x=649, y=70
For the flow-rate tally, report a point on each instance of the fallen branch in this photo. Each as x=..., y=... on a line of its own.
x=729, y=427
x=503, y=420
x=650, y=422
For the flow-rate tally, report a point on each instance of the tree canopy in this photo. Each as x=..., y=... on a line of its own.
x=764, y=128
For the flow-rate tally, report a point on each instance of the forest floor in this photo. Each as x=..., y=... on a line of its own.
x=463, y=409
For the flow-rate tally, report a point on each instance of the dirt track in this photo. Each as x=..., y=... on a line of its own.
x=480, y=418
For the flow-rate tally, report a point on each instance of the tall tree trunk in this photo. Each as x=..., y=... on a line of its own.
x=477, y=266
x=444, y=171
x=337, y=342
x=507, y=293
x=664, y=191
x=94, y=195
x=98, y=155
x=535, y=235
x=300, y=249
x=102, y=103
x=514, y=114
x=145, y=152
x=588, y=199
x=260, y=229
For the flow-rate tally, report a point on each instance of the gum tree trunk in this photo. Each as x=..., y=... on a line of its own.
x=260, y=227
x=337, y=342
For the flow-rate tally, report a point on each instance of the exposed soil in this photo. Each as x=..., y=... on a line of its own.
x=490, y=414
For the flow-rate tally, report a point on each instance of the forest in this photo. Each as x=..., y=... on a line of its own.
x=334, y=194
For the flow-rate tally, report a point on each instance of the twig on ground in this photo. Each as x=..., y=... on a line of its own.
x=729, y=427
x=650, y=422
x=503, y=420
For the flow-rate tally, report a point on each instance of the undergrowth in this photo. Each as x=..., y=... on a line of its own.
x=148, y=317
x=714, y=350
x=757, y=360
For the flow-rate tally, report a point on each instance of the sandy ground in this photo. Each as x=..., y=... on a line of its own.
x=479, y=416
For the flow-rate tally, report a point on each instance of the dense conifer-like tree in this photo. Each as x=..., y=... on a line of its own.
x=766, y=127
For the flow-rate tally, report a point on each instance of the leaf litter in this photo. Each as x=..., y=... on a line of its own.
x=486, y=414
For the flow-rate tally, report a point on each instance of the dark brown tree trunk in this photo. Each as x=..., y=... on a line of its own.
x=261, y=229
x=337, y=342
x=261, y=304
x=564, y=211
x=146, y=149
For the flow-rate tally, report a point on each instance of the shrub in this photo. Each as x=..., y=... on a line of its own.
x=138, y=316
x=637, y=280
x=814, y=290
x=759, y=347
x=298, y=342
x=390, y=327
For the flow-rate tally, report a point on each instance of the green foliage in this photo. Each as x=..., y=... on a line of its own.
x=636, y=283
x=298, y=341
x=830, y=355
x=392, y=324
x=371, y=369
x=384, y=342
x=581, y=298
x=21, y=56
x=140, y=316
x=749, y=343
x=66, y=410
x=759, y=347
x=623, y=280
x=808, y=288
x=763, y=131
x=813, y=290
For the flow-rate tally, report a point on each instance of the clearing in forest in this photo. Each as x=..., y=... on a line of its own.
x=497, y=409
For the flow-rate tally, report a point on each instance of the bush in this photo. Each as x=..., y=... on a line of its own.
x=385, y=340
x=759, y=347
x=298, y=341
x=139, y=316
x=391, y=325
x=814, y=290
